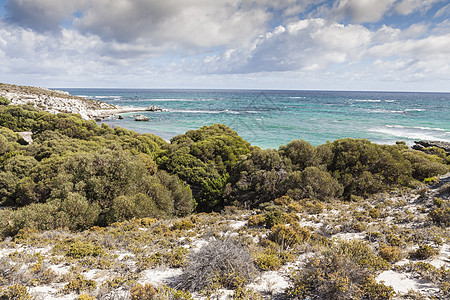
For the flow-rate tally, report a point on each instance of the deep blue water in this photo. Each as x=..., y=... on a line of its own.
x=271, y=118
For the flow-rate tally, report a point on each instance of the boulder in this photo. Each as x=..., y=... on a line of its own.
x=154, y=108
x=141, y=118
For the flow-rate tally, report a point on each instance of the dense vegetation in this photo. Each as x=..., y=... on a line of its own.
x=77, y=174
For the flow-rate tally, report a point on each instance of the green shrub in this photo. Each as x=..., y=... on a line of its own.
x=85, y=297
x=424, y=252
x=376, y=291
x=361, y=253
x=245, y=294
x=268, y=261
x=273, y=216
x=341, y=272
x=256, y=220
x=288, y=236
x=140, y=292
x=165, y=292
x=374, y=213
x=431, y=180
x=183, y=224
x=79, y=249
x=15, y=292
x=79, y=284
x=391, y=254
x=328, y=277
x=4, y=101
x=441, y=213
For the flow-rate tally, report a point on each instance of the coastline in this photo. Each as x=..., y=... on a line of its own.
x=56, y=101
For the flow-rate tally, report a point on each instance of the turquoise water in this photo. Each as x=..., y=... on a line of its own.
x=271, y=118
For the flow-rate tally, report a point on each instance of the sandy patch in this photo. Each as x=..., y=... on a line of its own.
x=160, y=276
x=402, y=282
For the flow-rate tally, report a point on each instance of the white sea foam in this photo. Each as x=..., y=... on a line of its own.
x=415, y=109
x=421, y=133
x=389, y=100
x=174, y=100
x=383, y=111
x=418, y=127
x=297, y=97
x=203, y=111
x=107, y=97
x=366, y=100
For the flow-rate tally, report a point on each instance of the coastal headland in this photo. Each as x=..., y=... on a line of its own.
x=56, y=101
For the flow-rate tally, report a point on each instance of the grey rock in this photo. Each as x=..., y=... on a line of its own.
x=419, y=145
x=142, y=118
x=154, y=108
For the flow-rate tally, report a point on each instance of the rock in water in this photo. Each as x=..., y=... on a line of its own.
x=142, y=118
x=154, y=108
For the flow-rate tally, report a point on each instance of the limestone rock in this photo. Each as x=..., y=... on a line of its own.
x=142, y=118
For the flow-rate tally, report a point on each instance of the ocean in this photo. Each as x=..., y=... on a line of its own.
x=269, y=119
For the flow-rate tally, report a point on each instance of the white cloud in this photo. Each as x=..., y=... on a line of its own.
x=242, y=41
x=311, y=44
x=443, y=11
x=362, y=11
x=42, y=15
x=195, y=23
x=406, y=7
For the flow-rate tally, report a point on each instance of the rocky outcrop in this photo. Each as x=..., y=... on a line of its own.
x=154, y=108
x=420, y=145
x=54, y=101
x=141, y=118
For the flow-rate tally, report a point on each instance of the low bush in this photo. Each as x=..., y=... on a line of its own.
x=15, y=292
x=440, y=214
x=373, y=290
x=424, y=252
x=268, y=261
x=79, y=284
x=246, y=294
x=338, y=273
x=288, y=236
x=374, y=213
x=183, y=224
x=4, y=101
x=143, y=292
x=256, y=220
x=85, y=297
x=78, y=249
x=222, y=262
x=391, y=254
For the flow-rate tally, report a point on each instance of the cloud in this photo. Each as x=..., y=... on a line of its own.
x=443, y=11
x=361, y=11
x=41, y=15
x=406, y=7
x=310, y=44
x=195, y=23
x=141, y=41
x=317, y=46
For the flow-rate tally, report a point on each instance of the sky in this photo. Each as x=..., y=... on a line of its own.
x=373, y=45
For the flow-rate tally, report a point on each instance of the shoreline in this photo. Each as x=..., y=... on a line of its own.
x=107, y=113
x=56, y=101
